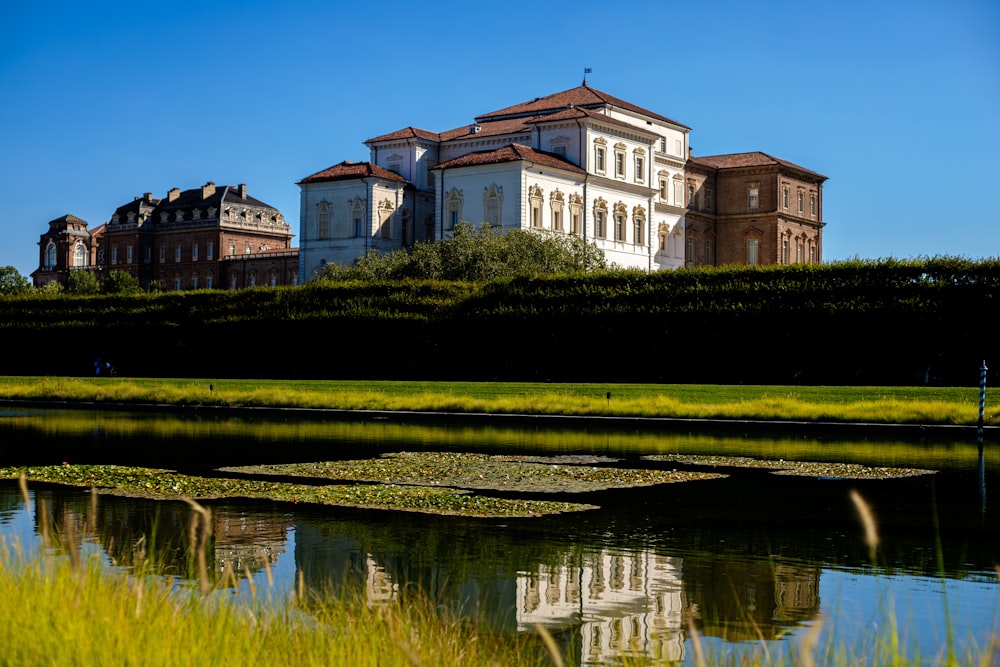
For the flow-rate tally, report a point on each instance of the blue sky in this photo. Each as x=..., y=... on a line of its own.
x=897, y=102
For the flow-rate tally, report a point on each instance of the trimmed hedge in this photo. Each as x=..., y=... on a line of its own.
x=859, y=322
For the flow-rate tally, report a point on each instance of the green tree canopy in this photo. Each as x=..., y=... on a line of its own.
x=12, y=282
x=120, y=282
x=478, y=255
x=82, y=282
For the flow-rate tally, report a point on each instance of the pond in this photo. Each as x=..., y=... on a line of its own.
x=743, y=553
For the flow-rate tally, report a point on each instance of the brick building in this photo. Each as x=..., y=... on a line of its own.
x=207, y=237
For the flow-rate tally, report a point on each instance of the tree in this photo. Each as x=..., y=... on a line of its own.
x=482, y=254
x=12, y=282
x=120, y=282
x=82, y=282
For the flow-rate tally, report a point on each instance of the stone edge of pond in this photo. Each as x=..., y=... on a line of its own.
x=674, y=424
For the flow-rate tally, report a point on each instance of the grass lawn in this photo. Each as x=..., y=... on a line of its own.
x=921, y=405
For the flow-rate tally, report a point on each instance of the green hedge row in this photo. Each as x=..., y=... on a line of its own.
x=860, y=322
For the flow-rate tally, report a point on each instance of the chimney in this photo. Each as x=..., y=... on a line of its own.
x=243, y=190
x=173, y=194
x=148, y=196
x=207, y=190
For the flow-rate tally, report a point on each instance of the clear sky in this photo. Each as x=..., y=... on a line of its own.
x=896, y=101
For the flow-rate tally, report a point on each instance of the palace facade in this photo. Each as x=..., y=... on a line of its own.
x=202, y=238
x=576, y=162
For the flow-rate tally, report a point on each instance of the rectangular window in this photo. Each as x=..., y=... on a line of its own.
x=708, y=251
x=163, y=253
x=801, y=199
x=177, y=253
x=147, y=254
x=753, y=198
x=559, y=150
x=640, y=168
x=194, y=252
x=784, y=251
x=536, y=216
x=209, y=252
x=114, y=255
x=708, y=199
x=599, y=224
x=640, y=232
x=557, y=219
x=663, y=189
x=812, y=205
x=619, y=228
x=128, y=254
x=208, y=281
x=663, y=144
x=177, y=284
x=452, y=219
x=575, y=221
x=232, y=248
x=753, y=248
x=619, y=164
x=194, y=282
x=599, y=159
x=784, y=198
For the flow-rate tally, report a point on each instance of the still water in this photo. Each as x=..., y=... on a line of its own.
x=754, y=557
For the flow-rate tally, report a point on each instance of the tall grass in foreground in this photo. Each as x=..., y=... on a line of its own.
x=74, y=610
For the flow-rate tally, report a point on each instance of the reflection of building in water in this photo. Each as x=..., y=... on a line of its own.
x=750, y=599
x=624, y=603
x=247, y=540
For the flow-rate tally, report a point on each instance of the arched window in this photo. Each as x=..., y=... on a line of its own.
x=50, y=255
x=453, y=208
x=79, y=255
x=639, y=224
x=621, y=213
x=556, y=203
x=535, y=199
x=600, y=218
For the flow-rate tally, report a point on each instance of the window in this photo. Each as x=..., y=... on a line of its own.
x=323, y=227
x=147, y=254
x=272, y=278
x=209, y=283
x=663, y=243
x=600, y=218
x=194, y=281
x=247, y=252
x=639, y=225
x=640, y=169
x=232, y=281
x=753, y=248
x=812, y=254
x=800, y=202
x=453, y=207
x=753, y=198
x=690, y=251
x=800, y=251
x=163, y=253
x=556, y=202
x=50, y=255
x=692, y=201
x=663, y=189
x=114, y=254
x=619, y=164
x=252, y=279
x=663, y=144
x=708, y=250
x=576, y=214
x=232, y=248
x=492, y=199
x=194, y=252
x=599, y=157
x=128, y=254
x=358, y=228
x=79, y=255
x=784, y=198
x=210, y=250
x=812, y=204
x=177, y=252
x=559, y=150
x=385, y=211
x=177, y=284
x=708, y=199
x=619, y=228
x=535, y=197
x=784, y=251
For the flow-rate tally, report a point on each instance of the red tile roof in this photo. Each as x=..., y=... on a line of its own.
x=581, y=96
x=487, y=129
x=511, y=153
x=348, y=170
x=406, y=133
x=752, y=159
x=580, y=112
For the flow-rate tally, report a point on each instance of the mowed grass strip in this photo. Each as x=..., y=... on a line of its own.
x=899, y=405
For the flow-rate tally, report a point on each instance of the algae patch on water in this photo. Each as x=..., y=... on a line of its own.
x=483, y=472
x=168, y=484
x=825, y=470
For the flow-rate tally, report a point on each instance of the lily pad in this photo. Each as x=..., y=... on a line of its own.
x=825, y=470
x=530, y=474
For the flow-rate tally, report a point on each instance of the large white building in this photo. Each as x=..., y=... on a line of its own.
x=577, y=162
